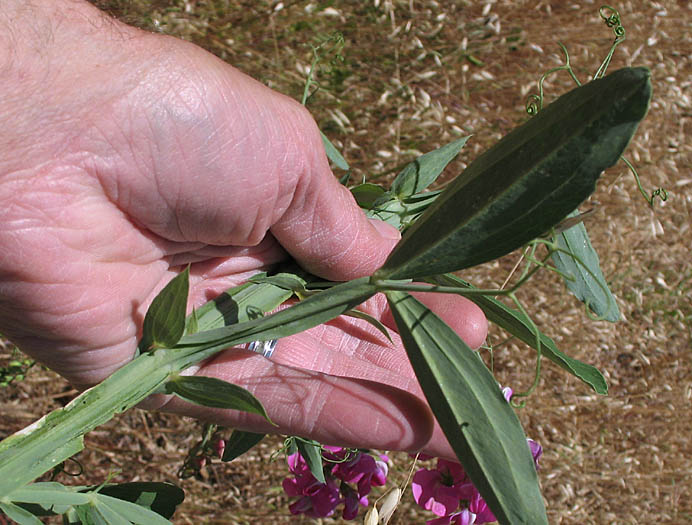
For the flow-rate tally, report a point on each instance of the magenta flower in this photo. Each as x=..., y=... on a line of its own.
x=479, y=508
x=449, y=493
x=439, y=490
x=363, y=470
x=341, y=467
x=315, y=499
x=319, y=502
x=536, y=451
x=465, y=517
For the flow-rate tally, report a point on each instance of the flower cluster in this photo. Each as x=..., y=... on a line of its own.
x=448, y=492
x=349, y=476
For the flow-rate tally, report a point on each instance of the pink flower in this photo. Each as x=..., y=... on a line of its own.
x=341, y=467
x=439, y=490
x=352, y=501
x=316, y=499
x=219, y=447
x=479, y=508
x=363, y=470
x=319, y=501
x=465, y=517
x=536, y=451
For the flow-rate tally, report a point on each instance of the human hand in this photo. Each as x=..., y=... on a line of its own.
x=125, y=156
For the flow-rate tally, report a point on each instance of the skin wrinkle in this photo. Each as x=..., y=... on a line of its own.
x=242, y=160
x=297, y=405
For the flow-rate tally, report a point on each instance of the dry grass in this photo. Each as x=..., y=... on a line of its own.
x=417, y=74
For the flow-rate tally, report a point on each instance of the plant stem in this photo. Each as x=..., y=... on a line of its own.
x=36, y=449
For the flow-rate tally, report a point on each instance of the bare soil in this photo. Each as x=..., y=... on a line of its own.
x=414, y=75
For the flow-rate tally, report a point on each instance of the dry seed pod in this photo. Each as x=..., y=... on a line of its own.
x=390, y=501
x=371, y=517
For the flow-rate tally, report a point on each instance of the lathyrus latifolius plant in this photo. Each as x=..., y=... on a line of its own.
x=513, y=195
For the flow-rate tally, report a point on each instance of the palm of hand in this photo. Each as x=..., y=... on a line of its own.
x=180, y=160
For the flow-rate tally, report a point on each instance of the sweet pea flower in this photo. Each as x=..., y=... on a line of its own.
x=319, y=502
x=316, y=499
x=362, y=470
x=439, y=490
x=536, y=451
x=479, y=508
x=341, y=467
x=352, y=500
x=465, y=517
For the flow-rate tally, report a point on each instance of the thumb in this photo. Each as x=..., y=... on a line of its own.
x=326, y=231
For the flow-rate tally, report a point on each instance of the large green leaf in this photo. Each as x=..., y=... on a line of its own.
x=479, y=424
x=527, y=182
x=517, y=324
x=48, y=494
x=164, y=322
x=142, y=503
x=587, y=282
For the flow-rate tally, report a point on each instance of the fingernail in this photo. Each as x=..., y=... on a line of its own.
x=386, y=230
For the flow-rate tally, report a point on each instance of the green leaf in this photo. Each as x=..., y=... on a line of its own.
x=333, y=153
x=313, y=311
x=370, y=319
x=162, y=498
x=239, y=443
x=286, y=281
x=527, y=182
x=102, y=511
x=516, y=323
x=18, y=514
x=110, y=507
x=88, y=515
x=422, y=172
x=192, y=322
x=164, y=323
x=39, y=447
x=367, y=194
x=479, y=424
x=216, y=393
x=48, y=494
x=402, y=213
x=588, y=283
x=240, y=304
x=312, y=454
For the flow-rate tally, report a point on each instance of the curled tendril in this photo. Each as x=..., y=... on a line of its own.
x=661, y=193
x=610, y=15
x=534, y=102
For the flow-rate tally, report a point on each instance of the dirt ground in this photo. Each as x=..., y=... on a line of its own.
x=416, y=74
